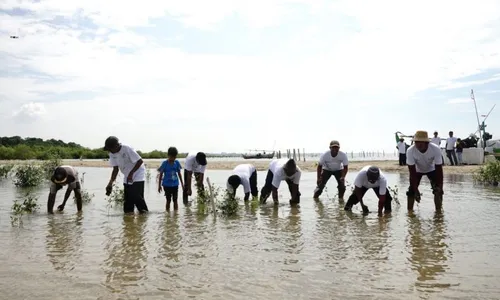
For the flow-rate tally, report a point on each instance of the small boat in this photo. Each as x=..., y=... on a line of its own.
x=258, y=154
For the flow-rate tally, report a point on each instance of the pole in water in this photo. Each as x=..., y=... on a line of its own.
x=212, y=199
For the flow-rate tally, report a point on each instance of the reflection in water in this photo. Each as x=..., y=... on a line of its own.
x=169, y=254
x=64, y=241
x=427, y=248
x=373, y=236
x=127, y=254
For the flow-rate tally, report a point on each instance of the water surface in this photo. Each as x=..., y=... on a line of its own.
x=315, y=252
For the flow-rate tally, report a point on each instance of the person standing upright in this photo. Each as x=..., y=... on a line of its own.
x=125, y=159
x=402, y=151
x=332, y=163
x=436, y=139
x=451, y=142
x=460, y=150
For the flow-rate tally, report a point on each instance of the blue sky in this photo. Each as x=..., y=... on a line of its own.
x=232, y=75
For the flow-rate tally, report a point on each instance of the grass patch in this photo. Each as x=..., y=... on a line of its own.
x=488, y=174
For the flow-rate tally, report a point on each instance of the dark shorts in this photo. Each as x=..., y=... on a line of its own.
x=171, y=192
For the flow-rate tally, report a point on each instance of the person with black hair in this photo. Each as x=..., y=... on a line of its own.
x=64, y=175
x=370, y=177
x=279, y=170
x=170, y=174
x=196, y=163
x=125, y=159
x=246, y=175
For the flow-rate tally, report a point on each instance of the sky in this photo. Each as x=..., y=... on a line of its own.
x=229, y=75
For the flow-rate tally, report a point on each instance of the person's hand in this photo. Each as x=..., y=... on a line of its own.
x=159, y=189
x=130, y=177
x=109, y=189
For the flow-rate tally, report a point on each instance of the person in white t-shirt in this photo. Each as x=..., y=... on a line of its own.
x=125, y=159
x=436, y=139
x=370, y=177
x=195, y=164
x=402, y=151
x=282, y=170
x=451, y=142
x=332, y=163
x=246, y=175
x=64, y=175
x=424, y=158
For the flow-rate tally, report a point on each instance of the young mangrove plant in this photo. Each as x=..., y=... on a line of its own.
x=488, y=173
x=50, y=165
x=5, y=170
x=28, y=206
x=29, y=175
x=229, y=205
x=86, y=196
x=117, y=196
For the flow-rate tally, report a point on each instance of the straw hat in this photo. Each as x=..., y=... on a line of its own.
x=421, y=136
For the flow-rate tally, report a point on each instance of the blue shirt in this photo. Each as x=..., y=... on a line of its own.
x=169, y=171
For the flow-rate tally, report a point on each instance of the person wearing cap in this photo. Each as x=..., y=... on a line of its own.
x=246, y=175
x=125, y=159
x=195, y=163
x=424, y=158
x=282, y=170
x=332, y=163
x=64, y=175
x=370, y=177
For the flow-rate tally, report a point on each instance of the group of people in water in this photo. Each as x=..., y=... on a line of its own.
x=423, y=158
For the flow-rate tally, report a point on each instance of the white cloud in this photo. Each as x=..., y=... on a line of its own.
x=397, y=49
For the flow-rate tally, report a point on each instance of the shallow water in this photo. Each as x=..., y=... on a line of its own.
x=315, y=252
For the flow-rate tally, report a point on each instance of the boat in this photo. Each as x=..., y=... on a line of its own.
x=258, y=154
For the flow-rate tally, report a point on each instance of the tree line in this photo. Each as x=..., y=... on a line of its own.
x=16, y=147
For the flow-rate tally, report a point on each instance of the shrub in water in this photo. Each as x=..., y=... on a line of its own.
x=50, y=165
x=229, y=205
x=488, y=174
x=5, y=170
x=28, y=206
x=117, y=196
x=28, y=175
x=86, y=196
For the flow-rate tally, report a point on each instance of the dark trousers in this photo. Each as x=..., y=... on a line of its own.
x=268, y=187
x=133, y=195
x=432, y=178
x=452, y=156
x=253, y=184
x=199, y=187
x=171, y=192
x=325, y=176
x=353, y=199
x=402, y=159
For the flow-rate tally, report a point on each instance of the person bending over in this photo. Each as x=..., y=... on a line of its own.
x=246, y=175
x=64, y=175
x=196, y=163
x=282, y=170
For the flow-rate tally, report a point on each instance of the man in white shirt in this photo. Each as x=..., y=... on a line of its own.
x=424, y=158
x=125, y=159
x=370, y=177
x=282, y=170
x=195, y=163
x=331, y=163
x=64, y=175
x=451, y=142
x=402, y=151
x=246, y=175
x=436, y=139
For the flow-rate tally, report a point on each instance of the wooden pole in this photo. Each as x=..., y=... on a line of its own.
x=293, y=153
x=298, y=151
x=304, y=153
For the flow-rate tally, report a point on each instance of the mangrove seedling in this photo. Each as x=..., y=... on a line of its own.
x=229, y=205
x=5, y=170
x=86, y=196
x=28, y=206
x=117, y=196
x=29, y=175
x=50, y=165
x=488, y=174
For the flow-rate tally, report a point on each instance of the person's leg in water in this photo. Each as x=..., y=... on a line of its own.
x=410, y=194
x=185, y=196
x=448, y=154
x=78, y=196
x=438, y=194
x=325, y=176
x=353, y=199
x=168, y=197
x=253, y=184
x=388, y=199
x=128, y=199
x=267, y=188
x=290, y=188
x=138, y=196
x=340, y=184
x=175, y=194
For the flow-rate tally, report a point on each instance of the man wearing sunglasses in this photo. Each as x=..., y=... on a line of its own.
x=370, y=177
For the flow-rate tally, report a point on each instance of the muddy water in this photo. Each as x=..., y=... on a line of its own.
x=315, y=252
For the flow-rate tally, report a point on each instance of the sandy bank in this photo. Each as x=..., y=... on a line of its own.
x=390, y=166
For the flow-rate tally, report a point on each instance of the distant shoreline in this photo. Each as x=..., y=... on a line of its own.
x=388, y=166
